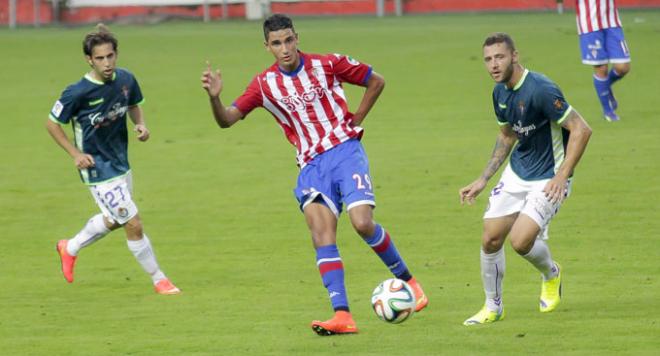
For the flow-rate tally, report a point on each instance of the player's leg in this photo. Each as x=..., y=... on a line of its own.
x=619, y=57
x=322, y=224
x=603, y=86
x=356, y=187
x=320, y=204
x=493, y=267
x=382, y=244
x=140, y=246
x=594, y=53
x=525, y=239
x=95, y=229
x=504, y=203
x=618, y=54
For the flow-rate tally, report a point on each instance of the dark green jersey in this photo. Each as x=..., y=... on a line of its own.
x=534, y=109
x=97, y=111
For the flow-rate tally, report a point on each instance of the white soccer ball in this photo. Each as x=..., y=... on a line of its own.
x=393, y=301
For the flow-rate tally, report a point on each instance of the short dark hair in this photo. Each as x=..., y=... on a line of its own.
x=277, y=22
x=500, y=37
x=100, y=35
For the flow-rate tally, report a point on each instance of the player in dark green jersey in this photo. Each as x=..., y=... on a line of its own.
x=97, y=107
x=547, y=137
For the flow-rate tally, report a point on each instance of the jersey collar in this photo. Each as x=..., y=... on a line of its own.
x=522, y=80
x=95, y=81
x=295, y=71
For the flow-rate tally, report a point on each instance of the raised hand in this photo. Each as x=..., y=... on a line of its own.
x=212, y=80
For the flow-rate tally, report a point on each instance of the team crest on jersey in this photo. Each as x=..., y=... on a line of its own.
x=125, y=91
x=352, y=61
x=521, y=107
x=298, y=102
x=558, y=105
x=348, y=59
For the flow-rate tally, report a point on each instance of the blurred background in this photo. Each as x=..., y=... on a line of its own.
x=15, y=13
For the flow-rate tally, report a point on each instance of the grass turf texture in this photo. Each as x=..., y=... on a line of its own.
x=225, y=226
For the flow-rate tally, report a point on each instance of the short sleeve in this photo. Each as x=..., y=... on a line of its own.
x=551, y=102
x=135, y=96
x=349, y=70
x=250, y=99
x=499, y=110
x=65, y=107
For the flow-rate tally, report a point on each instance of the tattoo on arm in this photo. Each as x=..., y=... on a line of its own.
x=500, y=153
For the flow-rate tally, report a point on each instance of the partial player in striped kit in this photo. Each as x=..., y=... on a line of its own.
x=547, y=137
x=97, y=106
x=602, y=43
x=304, y=94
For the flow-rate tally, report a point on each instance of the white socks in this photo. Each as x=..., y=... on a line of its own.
x=93, y=231
x=144, y=254
x=540, y=257
x=492, y=273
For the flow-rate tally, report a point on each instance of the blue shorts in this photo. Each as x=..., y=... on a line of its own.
x=604, y=46
x=335, y=177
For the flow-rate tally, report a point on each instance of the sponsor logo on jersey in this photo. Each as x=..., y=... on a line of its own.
x=523, y=130
x=97, y=119
x=57, y=108
x=298, y=102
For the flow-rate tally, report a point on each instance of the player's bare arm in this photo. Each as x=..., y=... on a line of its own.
x=81, y=160
x=136, y=115
x=212, y=83
x=374, y=87
x=577, y=142
x=503, y=145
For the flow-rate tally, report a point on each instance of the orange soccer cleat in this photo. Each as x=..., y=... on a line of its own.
x=165, y=287
x=420, y=297
x=341, y=323
x=66, y=260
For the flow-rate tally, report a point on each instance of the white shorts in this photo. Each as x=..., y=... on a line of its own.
x=114, y=199
x=515, y=195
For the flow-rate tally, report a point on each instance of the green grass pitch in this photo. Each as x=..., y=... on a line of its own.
x=219, y=208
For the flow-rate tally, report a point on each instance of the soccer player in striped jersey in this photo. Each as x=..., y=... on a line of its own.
x=548, y=138
x=96, y=106
x=602, y=43
x=304, y=94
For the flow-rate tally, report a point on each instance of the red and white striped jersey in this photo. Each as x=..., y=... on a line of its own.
x=308, y=103
x=595, y=15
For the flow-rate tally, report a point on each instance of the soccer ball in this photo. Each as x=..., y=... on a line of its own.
x=393, y=301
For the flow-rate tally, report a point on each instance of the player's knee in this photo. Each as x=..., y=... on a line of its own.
x=133, y=227
x=491, y=243
x=622, y=68
x=601, y=70
x=522, y=246
x=363, y=226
